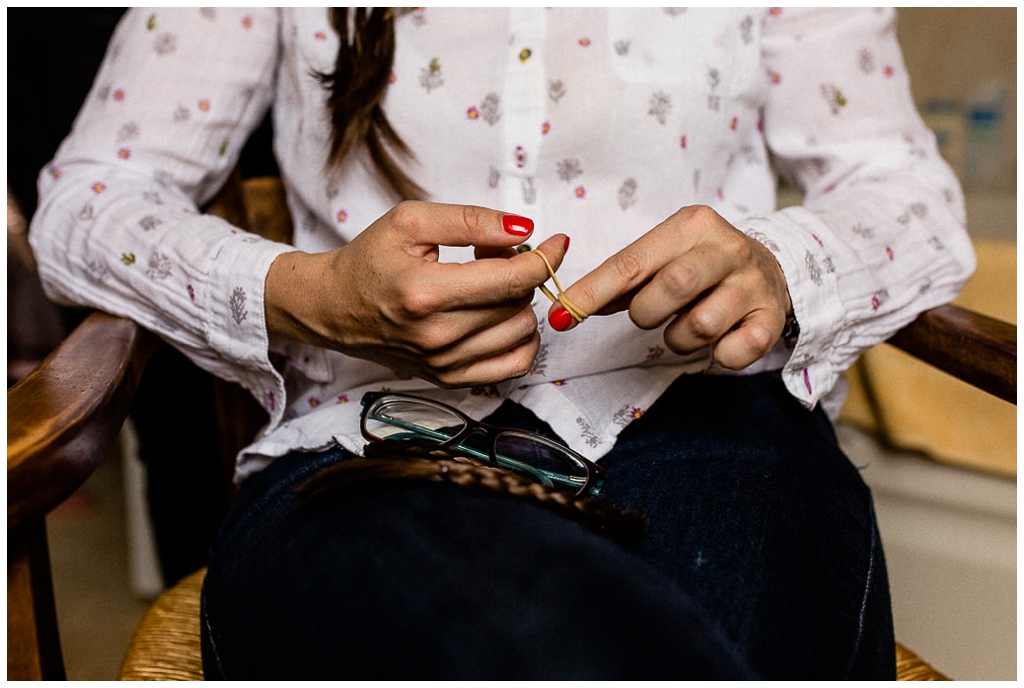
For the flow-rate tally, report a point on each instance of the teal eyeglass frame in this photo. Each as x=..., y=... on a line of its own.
x=591, y=484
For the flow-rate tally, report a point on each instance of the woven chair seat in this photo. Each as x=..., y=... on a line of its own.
x=166, y=644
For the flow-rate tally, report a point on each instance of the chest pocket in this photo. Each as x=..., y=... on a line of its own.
x=657, y=46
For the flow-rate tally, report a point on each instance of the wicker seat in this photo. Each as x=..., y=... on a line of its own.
x=64, y=417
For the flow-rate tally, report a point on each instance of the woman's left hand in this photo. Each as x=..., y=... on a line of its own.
x=717, y=285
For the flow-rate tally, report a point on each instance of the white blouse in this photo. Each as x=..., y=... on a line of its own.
x=596, y=123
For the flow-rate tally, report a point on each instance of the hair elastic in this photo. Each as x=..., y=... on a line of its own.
x=578, y=314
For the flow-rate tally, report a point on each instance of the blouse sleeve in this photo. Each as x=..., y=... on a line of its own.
x=881, y=234
x=118, y=228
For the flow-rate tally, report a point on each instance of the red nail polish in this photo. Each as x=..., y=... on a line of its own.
x=517, y=224
x=560, y=319
x=566, y=247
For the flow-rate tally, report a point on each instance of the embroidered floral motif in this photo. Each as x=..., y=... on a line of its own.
x=152, y=197
x=165, y=44
x=584, y=42
x=834, y=97
x=866, y=61
x=556, y=90
x=545, y=128
x=98, y=187
x=622, y=47
x=747, y=30
x=540, y=363
x=627, y=193
x=654, y=353
x=813, y=269
x=128, y=131
x=247, y=22
x=520, y=156
x=124, y=154
x=203, y=105
x=626, y=415
x=490, y=109
x=682, y=141
x=660, y=106
x=150, y=222
x=430, y=76
x=237, y=305
x=96, y=271
x=589, y=436
x=580, y=192
x=529, y=191
x=151, y=22
x=865, y=232
x=568, y=169
x=159, y=267
x=128, y=258
x=191, y=292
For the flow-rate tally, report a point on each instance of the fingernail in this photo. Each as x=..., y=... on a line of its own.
x=560, y=319
x=566, y=247
x=517, y=224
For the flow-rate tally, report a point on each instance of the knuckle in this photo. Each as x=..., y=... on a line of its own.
x=679, y=278
x=472, y=216
x=705, y=324
x=630, y=266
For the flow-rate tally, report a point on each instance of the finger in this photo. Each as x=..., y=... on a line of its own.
x=498, y=339
x=679, y=283
x=610, y=287
x=425, y=226
x=754, y=338
x=705, y=321
x=493, y=281
x=512, y=363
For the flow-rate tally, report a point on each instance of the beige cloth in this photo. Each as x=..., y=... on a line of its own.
x=921, y=408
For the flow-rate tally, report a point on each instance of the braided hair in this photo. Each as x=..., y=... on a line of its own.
x=390, y=463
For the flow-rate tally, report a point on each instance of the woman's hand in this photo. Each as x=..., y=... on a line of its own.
x=717, y=285
x=385, y=297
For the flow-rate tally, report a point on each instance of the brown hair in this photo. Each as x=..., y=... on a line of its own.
x=393, y=463
x=362, y=71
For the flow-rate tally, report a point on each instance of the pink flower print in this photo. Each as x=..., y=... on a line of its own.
x=271, y=400
x=830, y=188
x=733, y=123
x=118, y=95
x=545, y=128
x=473, y=113
x=776, y=78
x=191, y=292
x=807, y=380
x=559, y=383
x=204, y=105
x=635, y=412
x=720, y=193
x=580, y=192
x=99, y=187
x=314, y=402
x=889, y=252
x=875, y=302
x=341, y=216
x=124, y=154
x=392, y=78
x=889, y=70
x=320, y=35
x=520, y=157
x=247, y=22
x=56, y=172
x=819, y=241
x=682, y=142
x=342, y=398
x=775, y=12
x=584, y=42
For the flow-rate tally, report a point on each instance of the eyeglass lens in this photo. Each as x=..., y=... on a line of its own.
x=516, y=450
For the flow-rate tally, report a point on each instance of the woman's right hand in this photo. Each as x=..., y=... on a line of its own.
x=385, y=297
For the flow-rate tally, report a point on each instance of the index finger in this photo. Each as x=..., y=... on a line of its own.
x=493, y=281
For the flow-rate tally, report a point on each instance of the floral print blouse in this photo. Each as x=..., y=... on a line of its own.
x=598, y=123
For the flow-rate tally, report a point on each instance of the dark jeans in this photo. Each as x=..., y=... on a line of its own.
x=761, y=559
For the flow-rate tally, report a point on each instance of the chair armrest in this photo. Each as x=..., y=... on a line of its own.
x=972, y=347
x=63, y=417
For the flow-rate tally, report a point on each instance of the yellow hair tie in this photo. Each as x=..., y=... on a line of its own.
x=578, y=314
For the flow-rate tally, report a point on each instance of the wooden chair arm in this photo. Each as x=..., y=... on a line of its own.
x=63, y=417
x=972, y=347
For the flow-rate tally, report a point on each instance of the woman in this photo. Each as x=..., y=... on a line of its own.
x=653, y=138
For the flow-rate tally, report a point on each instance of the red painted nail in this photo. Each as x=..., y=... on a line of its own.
x=517, y=224
x=566, y=248
x=560, y=319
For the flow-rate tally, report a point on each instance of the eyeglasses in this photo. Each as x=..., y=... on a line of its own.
x=388, y=416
